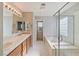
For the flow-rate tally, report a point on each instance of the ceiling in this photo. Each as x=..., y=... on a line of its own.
x=50, y=8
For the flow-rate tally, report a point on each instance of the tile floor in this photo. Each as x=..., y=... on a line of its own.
x=39, y=49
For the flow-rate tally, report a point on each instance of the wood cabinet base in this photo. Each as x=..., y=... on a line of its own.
x=22, y=49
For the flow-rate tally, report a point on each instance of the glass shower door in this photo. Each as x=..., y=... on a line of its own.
x=57, y=43
x=67, y=30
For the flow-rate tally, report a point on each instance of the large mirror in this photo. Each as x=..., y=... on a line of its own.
x=7, y=22
x=12, y=24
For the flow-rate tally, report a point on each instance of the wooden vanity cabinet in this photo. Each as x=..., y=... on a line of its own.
x=28, y=43
x=16, y=52
x=22, y=49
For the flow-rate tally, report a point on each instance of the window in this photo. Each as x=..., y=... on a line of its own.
x=64, y=26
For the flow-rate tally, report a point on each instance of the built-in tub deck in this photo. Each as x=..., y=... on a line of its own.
x=65, y=48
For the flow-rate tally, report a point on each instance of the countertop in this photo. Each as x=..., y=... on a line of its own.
x=11, y=43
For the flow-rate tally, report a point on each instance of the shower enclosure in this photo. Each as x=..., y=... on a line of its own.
x=68, y=30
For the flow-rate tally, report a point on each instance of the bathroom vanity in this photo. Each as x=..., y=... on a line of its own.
x=17, y=45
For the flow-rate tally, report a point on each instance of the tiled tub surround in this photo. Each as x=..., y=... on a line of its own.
x=66, y=49
x=11, y=43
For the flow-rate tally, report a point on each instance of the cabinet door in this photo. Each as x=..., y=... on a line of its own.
x=16, y=52
x=30, y=41
x=27, y=44
x=24, y=48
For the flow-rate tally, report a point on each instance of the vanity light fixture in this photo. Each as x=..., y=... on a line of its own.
x=9, y=8
x=12, y=9
x=6, y=6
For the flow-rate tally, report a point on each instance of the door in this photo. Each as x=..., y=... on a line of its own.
x=39, y=30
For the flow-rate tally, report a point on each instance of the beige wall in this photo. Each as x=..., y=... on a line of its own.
x=15, y=20
x=28, y=16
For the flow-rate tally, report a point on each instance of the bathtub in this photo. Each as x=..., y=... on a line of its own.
x=65, y=48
